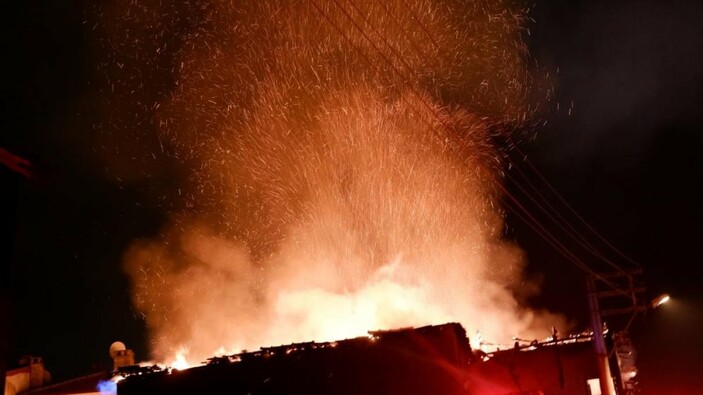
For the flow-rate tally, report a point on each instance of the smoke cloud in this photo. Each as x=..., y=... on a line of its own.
x=336, y=166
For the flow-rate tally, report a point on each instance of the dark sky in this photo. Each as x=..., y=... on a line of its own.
x=627, y=159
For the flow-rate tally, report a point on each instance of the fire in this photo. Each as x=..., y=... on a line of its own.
x=326, y=192
x=179, y=362
x=381, y=304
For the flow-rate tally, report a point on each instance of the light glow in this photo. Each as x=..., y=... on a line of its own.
x=660, y=300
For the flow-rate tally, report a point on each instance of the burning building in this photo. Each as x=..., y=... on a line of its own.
x=427, y=360
x=435, y=360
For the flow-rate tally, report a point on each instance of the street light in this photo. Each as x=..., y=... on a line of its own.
x=660, y=300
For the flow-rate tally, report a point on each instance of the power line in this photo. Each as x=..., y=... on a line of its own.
x=550, y=237
x=589, y=247
x=574, y=212
x=559, y=220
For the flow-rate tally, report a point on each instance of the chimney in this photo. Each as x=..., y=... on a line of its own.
x=37, y=375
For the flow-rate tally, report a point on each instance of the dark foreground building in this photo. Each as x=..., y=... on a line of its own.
x=422, y=361
x=432, y=360
x=566, y=367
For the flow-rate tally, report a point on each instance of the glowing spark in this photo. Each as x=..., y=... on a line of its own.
x=328, y=189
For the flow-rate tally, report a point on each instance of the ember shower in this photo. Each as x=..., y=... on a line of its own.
x=338, y=167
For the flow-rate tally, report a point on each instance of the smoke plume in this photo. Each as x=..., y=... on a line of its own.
x=335, y=161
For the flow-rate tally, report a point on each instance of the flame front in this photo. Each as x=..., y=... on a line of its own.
x=338, y=168
x=180, y=362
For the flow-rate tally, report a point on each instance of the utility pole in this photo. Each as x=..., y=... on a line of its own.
x=607, y=387
x=622, y=284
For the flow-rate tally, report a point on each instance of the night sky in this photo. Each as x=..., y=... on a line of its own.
x=627, y=159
